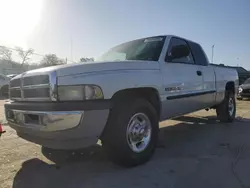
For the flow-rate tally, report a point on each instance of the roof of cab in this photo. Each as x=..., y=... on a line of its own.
x=170, y=36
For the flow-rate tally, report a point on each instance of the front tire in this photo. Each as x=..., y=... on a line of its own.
x=226, y=111
x=131, y=133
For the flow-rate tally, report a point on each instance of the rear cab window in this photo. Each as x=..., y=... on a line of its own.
x=198, y=53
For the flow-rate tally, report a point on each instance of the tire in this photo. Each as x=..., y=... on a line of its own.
x=239, y=98
x=226, y=111
x=118, y=143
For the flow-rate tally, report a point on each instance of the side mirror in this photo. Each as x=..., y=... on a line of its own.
x=179, y=51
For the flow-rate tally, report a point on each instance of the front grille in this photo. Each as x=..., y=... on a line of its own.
x=36, y=93
x=36, y=80
x=15, y=83
x=15, y=93
x=31, y=88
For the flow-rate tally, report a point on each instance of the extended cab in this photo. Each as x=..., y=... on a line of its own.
x=121, y=98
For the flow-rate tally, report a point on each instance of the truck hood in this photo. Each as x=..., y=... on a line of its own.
x=91, y=67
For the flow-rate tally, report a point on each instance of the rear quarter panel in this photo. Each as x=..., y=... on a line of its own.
x=223, y=76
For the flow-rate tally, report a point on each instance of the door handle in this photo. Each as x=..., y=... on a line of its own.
x=199, y=73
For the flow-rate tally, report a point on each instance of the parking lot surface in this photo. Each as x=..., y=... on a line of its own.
x=193, y=151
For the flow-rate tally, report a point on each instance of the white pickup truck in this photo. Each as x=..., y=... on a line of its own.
x=121, y=98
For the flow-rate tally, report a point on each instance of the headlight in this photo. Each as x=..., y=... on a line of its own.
x=240, y=89
x=80, y=92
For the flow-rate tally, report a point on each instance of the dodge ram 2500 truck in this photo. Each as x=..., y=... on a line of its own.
x=121, y=98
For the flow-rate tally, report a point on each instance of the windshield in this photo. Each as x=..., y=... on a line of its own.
x=247, y=81
x=141, y=49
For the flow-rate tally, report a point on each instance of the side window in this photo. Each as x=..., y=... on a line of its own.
x=175, y=43
x=199, y=55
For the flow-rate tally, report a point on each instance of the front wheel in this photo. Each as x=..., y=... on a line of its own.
x=131, y=134
x=226, y=111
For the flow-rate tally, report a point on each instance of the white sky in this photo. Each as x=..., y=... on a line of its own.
x=18, y=18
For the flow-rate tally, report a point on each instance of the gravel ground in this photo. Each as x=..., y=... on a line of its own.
x=193, y=151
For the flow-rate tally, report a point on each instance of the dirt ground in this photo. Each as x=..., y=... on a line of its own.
x=194, y=151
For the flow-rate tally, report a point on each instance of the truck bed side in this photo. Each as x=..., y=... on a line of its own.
x=222, y=77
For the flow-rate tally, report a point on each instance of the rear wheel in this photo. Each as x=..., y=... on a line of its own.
x=226, y=111
x=131, y=134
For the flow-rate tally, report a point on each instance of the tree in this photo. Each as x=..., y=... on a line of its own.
x=85, y=59
x=24, y=55
x=5, y=53
x=51, y=60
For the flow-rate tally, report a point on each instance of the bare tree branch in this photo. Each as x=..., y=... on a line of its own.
x=5, y=53
x=24, y=55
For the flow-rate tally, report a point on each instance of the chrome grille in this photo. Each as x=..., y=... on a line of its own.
x=15, y=83
x=15, y=93
x=35, y=80
x=33, y=88
x=36, y=93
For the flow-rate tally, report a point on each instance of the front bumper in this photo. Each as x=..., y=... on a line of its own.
x=69, y=125
x=45, y=120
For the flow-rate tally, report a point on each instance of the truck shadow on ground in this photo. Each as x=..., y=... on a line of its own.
x=181, y=148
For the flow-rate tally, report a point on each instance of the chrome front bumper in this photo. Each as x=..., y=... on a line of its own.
x=45, y=121
x=68, y=125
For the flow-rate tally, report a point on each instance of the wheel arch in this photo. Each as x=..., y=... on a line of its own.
x=230, y=86
x=149, y=93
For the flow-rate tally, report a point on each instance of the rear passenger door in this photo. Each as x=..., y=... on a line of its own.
x=183, y=82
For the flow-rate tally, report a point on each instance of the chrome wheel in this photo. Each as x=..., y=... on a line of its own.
x=231, y=106
x=139, y=132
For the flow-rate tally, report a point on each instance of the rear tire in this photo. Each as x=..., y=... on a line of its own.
x=226, y=111
x=123, y=130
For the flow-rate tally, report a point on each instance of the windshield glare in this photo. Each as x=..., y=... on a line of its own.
x=247, y=81
x=148, y=49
